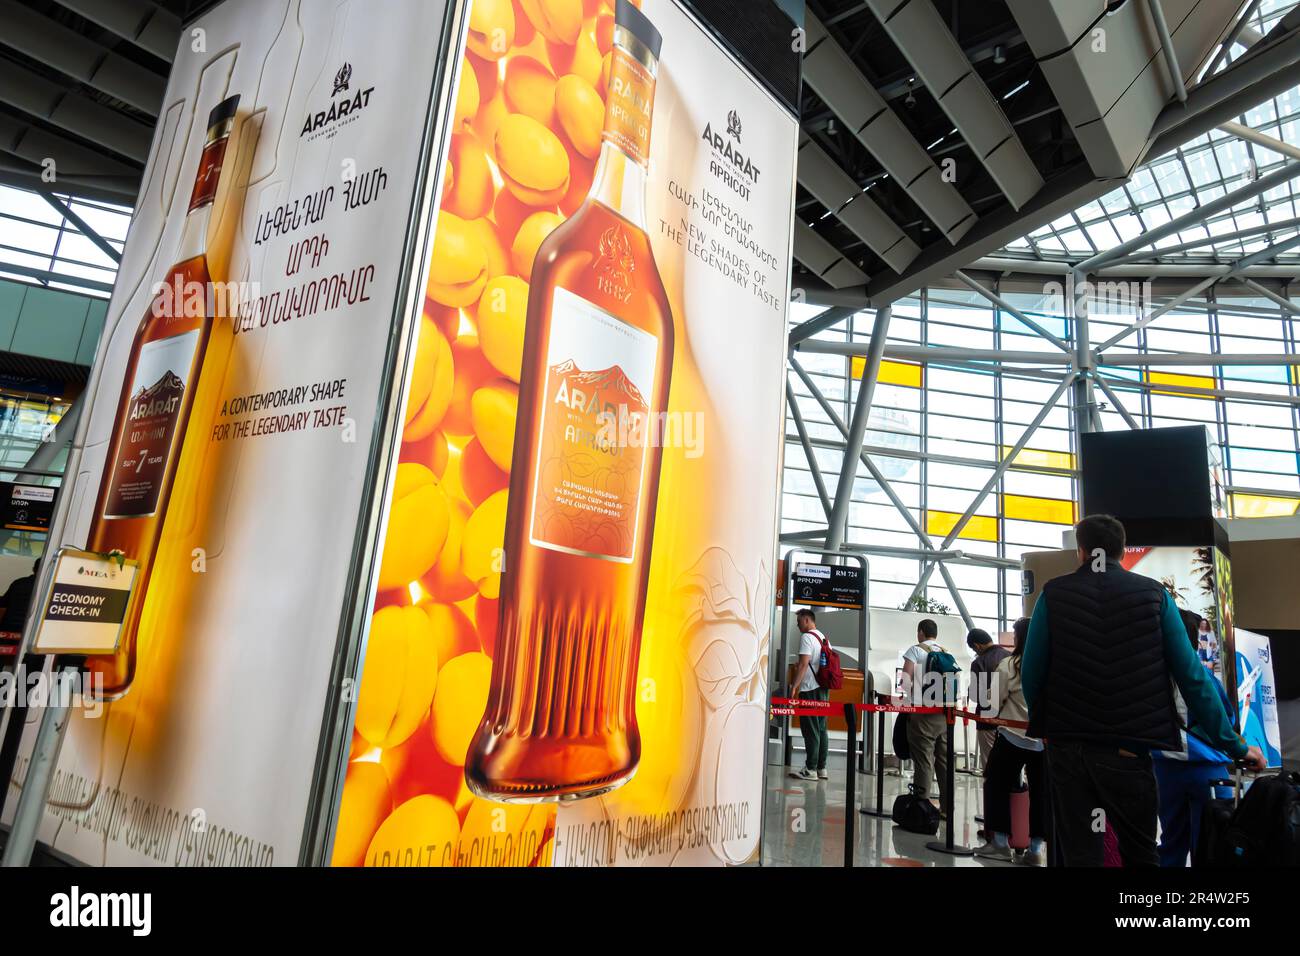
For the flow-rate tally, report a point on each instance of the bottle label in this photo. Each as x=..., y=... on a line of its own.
x=630, y=106
x=594, y=433
x=147, y=434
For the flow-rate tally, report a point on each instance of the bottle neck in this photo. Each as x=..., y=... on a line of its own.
x=619, y=184
x=620, y=178
x=194, y=238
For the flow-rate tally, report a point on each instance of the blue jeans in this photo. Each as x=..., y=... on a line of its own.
x=1184, y=793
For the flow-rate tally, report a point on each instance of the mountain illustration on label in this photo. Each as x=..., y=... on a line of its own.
x=594, y=392
x=161, y=398
x=589, y=475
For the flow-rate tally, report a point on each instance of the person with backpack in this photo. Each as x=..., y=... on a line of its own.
x=1105, y=649
x=929, y=672
x=815, y=656
x=988, y=655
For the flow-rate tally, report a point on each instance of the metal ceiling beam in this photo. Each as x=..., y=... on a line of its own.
x=1000, y=470
x=1227, y=271
x=1230, y=40
x=792, y=404
x=46, y=276
x=79, y=57
x=1006, y=306
x=1167, y=45
x=1198, y=215
x=1261, y=139
x=1285, y=304
x=1119, y=406
x=1270, y=69
x=838, y=521
x=73, y=112
x=82, y=226
x=1283, y=226
x=144, y=24
x=820, y=323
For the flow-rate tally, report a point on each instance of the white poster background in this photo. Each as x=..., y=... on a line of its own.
x=233, y=740
x=737, y=337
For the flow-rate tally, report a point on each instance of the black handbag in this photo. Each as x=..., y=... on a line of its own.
x=915, y=814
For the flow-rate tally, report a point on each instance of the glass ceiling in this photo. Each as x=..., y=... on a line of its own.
x=1197, y=173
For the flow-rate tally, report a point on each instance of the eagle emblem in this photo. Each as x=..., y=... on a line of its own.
x=342, y=78
x=733, y=125
x=616, y=259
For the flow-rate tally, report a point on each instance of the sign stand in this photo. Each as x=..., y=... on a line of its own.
x=36, y=785
x=97, y=631
x=782, y=727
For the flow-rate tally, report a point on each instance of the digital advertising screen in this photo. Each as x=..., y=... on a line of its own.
x=566, y=663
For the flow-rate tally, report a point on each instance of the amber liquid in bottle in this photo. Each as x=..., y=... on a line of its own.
x=154, y=409
x=560, y=722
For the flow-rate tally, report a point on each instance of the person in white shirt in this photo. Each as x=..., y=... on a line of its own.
x=816, y=741
x=926, y=733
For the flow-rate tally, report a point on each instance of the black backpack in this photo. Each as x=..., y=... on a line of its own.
x=1265, y=828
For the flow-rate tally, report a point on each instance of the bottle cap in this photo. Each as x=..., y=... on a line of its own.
x=223, y=111
x=631, y=18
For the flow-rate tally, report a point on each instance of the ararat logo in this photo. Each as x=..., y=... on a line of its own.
x=341, y=111
x=730, y=164
x=341, y=79
x=130, y=910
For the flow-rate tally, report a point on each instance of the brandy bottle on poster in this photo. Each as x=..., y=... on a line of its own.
x=560, y=721
x=157, y=396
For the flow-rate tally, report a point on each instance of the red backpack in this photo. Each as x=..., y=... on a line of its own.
x=829, y=674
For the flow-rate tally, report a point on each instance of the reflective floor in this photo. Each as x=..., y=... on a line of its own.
x=804, y=825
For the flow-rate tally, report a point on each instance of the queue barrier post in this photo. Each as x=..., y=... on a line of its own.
x=879, y=810
x=948, y=845
x=850, y=783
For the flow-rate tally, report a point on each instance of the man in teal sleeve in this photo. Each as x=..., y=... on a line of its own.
x=1103, y=647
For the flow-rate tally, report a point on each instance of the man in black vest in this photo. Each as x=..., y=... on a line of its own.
x=1104, y=645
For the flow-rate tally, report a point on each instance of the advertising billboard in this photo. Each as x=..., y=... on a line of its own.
x=240, y=395
x=567, y=660
x=1199, y=580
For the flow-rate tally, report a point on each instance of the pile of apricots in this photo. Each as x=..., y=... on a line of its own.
x=529, y=112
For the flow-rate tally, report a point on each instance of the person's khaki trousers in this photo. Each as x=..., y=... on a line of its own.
x=927, y=738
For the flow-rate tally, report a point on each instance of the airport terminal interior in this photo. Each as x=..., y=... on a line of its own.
x=1040, y=263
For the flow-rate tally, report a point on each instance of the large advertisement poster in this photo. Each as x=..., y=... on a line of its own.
x=239, y=391
x=1199, y=579
x=566, y=663
x=1257, y=695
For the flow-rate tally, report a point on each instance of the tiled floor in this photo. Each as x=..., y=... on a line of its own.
x=805, y=822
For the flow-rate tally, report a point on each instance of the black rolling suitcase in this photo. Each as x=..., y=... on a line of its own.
x=1259, y=828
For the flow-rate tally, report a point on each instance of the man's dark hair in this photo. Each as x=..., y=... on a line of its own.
x=808, y=613
x=1101, y=532
x=928, y=628
x=36, y=566
x=977, y=637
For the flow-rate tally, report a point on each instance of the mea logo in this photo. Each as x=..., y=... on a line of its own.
x=102, y=910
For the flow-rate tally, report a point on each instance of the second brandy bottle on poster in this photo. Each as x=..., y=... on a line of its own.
x=560, y=721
